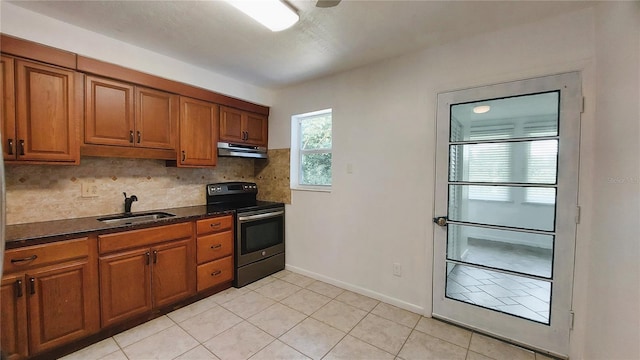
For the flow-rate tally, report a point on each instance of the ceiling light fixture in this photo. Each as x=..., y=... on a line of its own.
x=274, y=14
x=481, y=109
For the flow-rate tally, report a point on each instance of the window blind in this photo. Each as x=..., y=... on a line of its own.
x=542, y=161
x=489, y=162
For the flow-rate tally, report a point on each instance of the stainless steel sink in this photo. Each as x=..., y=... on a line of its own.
x=124, y=219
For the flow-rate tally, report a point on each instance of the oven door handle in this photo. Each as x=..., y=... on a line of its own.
x=260, y=216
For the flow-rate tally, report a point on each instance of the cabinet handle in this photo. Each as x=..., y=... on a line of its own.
x=131, y=136
x=30, y=258
x=184, y=155
x=18, y=288
x=214, y=225
x=21, y=147
x=216, y=246
x=216, y=273
x=155, y=256
x=139, y=137
x=148, y=257
x=10, y=147
x=32, y=286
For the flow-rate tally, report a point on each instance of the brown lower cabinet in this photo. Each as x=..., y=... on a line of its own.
x=145, y=269
x=54, y=295
x=49, y=296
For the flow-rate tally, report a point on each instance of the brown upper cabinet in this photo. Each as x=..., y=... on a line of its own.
x=41, y=112
x=198, y=133
x=242, y=127
x=121, y=114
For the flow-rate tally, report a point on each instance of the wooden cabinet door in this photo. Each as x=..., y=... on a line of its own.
x=109, y=112
x=13, y=318
x=174, y=272
x=256, y=128
x=156, y=118
x=198, y=133
x=8, y=108
x=60, y=304
x=48, y=112
x=125, y=285
x=231, y=129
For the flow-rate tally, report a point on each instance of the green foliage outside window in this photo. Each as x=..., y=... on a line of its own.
x=315, y=150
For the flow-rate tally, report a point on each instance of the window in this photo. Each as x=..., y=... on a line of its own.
x=490, y=162
x=311, y=151
x=542, y=164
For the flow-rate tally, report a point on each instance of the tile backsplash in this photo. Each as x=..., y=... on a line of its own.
x=272, y=176
x=45, y=192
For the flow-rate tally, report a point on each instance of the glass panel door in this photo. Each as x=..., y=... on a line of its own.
x=506, y=196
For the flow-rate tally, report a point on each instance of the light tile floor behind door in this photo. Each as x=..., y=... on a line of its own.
x=290, y=316
x=517, y=295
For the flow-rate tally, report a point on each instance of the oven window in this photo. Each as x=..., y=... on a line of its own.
x=261, y=234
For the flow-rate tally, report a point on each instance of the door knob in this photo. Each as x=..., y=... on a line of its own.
x=441, y=220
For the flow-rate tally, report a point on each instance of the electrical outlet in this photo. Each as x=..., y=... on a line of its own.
x=89, y=190
x=397, y=269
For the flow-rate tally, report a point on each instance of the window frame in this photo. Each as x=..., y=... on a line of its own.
x=297, y=153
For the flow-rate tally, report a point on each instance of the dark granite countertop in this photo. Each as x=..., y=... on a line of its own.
x=21, y=235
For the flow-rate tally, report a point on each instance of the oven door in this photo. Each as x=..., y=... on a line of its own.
x=260, y=234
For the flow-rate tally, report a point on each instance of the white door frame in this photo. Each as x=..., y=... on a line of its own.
x=553, y=338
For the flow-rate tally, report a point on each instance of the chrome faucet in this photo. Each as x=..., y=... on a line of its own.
x=128, y=201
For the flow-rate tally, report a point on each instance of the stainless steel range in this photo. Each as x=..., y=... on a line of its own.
x=259, y=231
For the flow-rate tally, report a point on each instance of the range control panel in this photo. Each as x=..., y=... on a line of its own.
x=228, y=188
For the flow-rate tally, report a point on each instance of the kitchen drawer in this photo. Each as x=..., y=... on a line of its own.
x=30, y=257
x=218, y=224
x=214, y=246
x=215, y=272
x=144, y=237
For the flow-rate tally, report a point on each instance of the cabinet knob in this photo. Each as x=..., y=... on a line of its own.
x=10, y=146
x=184, y=155
x=139, y=136
x=21, y=147
x=148, y=256
x=216, y=273
x=155, y=256
x=131, y=136
x=215, y=225
x=216, y=246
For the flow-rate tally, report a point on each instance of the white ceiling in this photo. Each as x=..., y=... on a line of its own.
x=215, y=36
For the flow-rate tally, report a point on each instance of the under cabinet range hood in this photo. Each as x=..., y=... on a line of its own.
x=240, y=150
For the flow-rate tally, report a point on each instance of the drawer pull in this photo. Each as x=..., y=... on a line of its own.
x=216, y=273
x=215, y=225
x=216, y=246
x=18, y=288
x=30, y=258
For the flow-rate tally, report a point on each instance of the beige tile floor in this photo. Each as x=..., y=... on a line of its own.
x=290, y=316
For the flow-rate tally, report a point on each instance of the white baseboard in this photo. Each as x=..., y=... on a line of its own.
x=360, y=290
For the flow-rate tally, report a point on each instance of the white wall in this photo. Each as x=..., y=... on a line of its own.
x=30, y=25
x=384, y=124
x=614, y=271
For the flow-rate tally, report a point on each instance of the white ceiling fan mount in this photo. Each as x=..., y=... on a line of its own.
x=327, y=3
